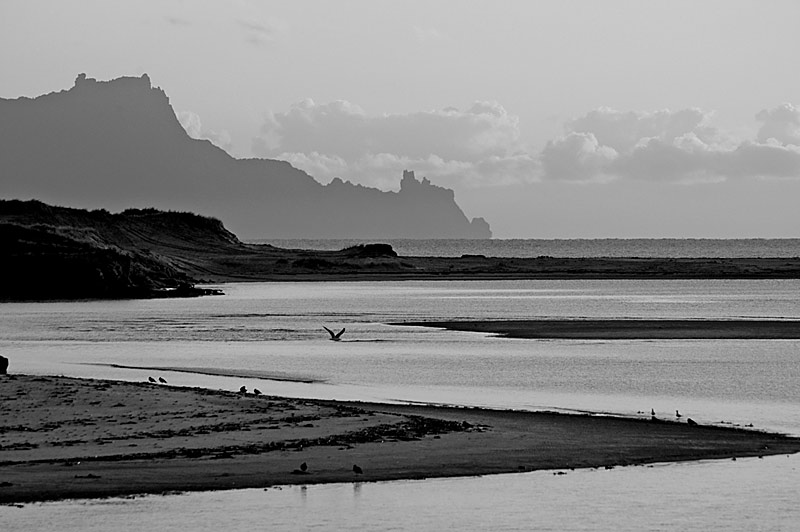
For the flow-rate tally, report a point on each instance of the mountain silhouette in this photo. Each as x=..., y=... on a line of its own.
x=118, y=144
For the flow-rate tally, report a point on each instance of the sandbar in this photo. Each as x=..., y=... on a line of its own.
x=625, y=329
x=68, y=438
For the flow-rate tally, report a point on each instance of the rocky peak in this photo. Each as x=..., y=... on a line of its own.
x=118, y=144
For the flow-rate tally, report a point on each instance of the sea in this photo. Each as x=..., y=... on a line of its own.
x=603, y=247
x=270, y=336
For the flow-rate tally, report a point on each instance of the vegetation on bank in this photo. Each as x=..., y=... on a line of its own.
x=54, y=252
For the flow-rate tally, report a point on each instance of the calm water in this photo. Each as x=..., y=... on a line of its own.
x=751, y=495
x=261, y=330
x=603, y=247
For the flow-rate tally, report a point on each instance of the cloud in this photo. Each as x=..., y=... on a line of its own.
x=577, y=157
x=781, y=124
x=339, y=139
x=623, y=131
x=675, y=146
x=194, y=128
x=682, y=160
x=261, y=32
x=480, y=145
x=767, y=160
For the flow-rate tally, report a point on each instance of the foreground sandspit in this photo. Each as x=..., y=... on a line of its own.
x=78, y=438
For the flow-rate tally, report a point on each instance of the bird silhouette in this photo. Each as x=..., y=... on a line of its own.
x=677, y=414
x=243, y=389
x=151, y=379
x=334, y=336
x=652, y=412
x=162, y=380
x=302, y=470
x=357, y=470
x=256, y=391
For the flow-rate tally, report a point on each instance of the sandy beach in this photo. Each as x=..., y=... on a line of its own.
x=66, y=438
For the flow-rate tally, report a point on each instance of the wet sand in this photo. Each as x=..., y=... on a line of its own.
x=620, y=329
x=66, y=438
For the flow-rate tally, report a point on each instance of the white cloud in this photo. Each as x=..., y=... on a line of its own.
x=622, y=131
x=676, y=146
x=682, y=160
x=781, y=123
x=478, y=145
x=576, y=157
x=194, y=128
x=764, y=160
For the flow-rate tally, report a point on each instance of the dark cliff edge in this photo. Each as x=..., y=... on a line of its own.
x=118, y=144
x=60, y=253
x=53, y=252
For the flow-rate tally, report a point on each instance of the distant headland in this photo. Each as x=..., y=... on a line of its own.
x=118, y=144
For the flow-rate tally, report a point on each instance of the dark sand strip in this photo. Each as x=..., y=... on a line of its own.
x=219, y=372
x=622, y=329
x=66, y=438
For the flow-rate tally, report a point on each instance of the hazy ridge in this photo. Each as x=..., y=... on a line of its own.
x=118, y=144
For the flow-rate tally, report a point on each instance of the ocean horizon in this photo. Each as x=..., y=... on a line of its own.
x=572, y=248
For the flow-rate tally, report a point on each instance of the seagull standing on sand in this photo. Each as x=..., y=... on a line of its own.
x=334, y=336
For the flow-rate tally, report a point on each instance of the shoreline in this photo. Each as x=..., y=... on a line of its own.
x=66, y=438
x=168, y=254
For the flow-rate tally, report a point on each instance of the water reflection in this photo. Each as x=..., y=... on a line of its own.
x=275, y=328
x=745, y=495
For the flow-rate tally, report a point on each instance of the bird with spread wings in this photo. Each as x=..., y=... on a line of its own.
x=334, y=336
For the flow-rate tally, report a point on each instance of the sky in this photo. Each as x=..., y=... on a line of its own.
x=550, y=119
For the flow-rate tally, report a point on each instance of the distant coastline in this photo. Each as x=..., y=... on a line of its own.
x=64, y=253
x=566, y=247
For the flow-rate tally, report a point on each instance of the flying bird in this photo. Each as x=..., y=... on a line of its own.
x=357, y=470
x=334, y=336
x=162, y=380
